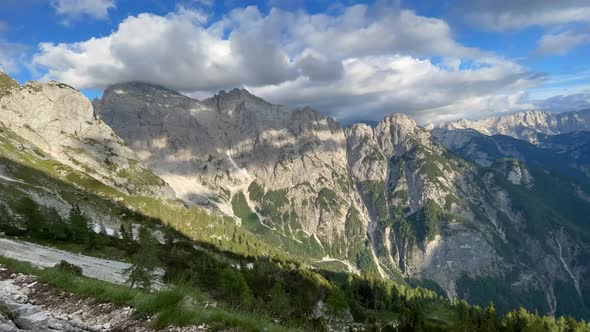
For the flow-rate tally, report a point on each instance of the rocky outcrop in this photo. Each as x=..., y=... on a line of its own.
x=17, y=313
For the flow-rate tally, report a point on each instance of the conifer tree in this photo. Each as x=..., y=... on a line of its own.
x=78, y=222
x=145, y=261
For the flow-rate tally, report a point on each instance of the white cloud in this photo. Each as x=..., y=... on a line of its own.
x=561, y=43
x=98, y=9
x=174, y=50
x=11, y=56
x=506, y=15
x=566, y=103
x=372, y=87
x=362, y=63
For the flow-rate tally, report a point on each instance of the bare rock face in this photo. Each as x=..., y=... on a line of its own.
x=59, y=120
x=404, y=177
x=436, y=216
x=289, y=167
x=526, y=125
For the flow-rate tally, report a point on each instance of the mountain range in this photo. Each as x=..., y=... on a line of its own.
x=488, y=210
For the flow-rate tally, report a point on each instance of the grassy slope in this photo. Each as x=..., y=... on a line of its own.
x=44, y=176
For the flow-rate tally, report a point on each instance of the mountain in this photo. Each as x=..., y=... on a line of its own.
x=60, y=122
x=563, y=153
x=281, y=173
x=393, y=200
x=455, y=211
x=526, y=125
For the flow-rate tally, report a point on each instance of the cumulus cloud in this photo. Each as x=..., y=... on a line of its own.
x=561, y=43
x=506, y=15
x=362, y=63
x=565, y=103
x=373, y=87
x=71, y=9
x=173, y=50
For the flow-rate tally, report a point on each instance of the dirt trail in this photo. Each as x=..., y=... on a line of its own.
x=30, y=305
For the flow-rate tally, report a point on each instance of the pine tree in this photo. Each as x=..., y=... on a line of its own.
x=58, y=228
x=145, y=261
x=7, y=223
x=31, y=217
x=79, y=228
x=490, y=323
x=234, y=288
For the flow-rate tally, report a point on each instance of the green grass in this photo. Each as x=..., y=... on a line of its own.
x=178, y=305
x=334, y=266
x=84, y=286
x=242, y=210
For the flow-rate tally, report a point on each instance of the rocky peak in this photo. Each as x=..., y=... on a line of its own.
x=50, y=110
x=236, y=93
x=398, y=132
x=60, y=121
x=140, y=88
x=359, y=131
x=236, y=100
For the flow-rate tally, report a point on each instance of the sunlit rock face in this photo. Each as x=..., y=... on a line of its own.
x=395, y=199
x=289, y=166
x=60, y=121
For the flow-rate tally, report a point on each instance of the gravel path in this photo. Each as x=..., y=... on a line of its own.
x=42, y=256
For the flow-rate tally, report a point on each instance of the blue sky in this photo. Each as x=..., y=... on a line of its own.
x=354, y=60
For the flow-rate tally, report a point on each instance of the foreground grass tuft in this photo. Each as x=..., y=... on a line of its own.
x=179, y=305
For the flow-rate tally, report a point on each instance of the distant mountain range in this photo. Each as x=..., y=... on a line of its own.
x=462, y=208
x=527, y=125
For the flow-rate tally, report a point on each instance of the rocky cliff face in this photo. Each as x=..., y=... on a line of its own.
x=526, y=125
x=392, y=199
x=60, y=121
x=281, y=173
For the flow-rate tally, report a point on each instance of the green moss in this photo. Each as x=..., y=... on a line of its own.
x=374, y=155
x=426, y=222
x=401, y=195
x=451, y=199
x=138, y=175
x=344, y=181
